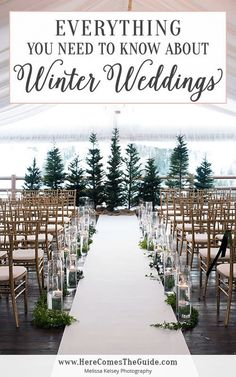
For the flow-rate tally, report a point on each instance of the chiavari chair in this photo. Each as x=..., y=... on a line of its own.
x=197, y=237
x=226, y=279
x=184, y=226
x=213, y=253
x=27, y=252
x=13, y=278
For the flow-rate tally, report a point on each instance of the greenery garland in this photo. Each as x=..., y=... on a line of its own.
x=188, y=325
x=85, y=249
x=144, y=244
x=47, y=318
x=92, y=230
x=171, y=299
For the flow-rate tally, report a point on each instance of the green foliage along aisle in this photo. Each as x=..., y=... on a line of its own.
x=178, y=165
x=47, y=318
x=54, y=175
x=186, y=325
x=204, y=174
x=76, y=179
x=114, y=187
x=132, y=176
x=95, y=172
x=33, y=178
x=150, y=187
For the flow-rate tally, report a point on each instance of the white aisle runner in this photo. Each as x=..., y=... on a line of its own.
x=115, y=303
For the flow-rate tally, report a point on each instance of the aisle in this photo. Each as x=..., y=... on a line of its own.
x=115, y=303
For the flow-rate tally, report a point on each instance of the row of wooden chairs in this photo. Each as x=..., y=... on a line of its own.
x=200, y=220
x=13, y=279
x=67, y=198
x=27, y=229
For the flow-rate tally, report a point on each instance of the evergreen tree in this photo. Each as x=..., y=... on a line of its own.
x=204, y=174
x=95, y=172
x=33, y=179
x=76, y=179
x=54, y=169
x=132, y=176
x=150, y=188
x=190, y=181
x=113, y=187
x=178, y=164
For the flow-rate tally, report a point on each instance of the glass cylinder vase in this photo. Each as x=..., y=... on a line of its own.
x=169, y=269
x=148, y=206
x=83, y=243
x=150, y=242
x=55, y=284
x=183, y=294
x=71, y=271
x=92, y=219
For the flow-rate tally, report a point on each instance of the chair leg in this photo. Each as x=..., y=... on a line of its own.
x=177, y=242
x=217, y=294
x=42, y=276
x=187, y=254
x=229, y=303
x=200, y=272
x=39, y=278
x=205, y=287
x=26, y=295
x=45, y=247
x=14, y=306
x=191, y=260
x=181, y=244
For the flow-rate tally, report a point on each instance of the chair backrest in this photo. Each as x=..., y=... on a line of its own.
x=24, y=234
x=221, y=252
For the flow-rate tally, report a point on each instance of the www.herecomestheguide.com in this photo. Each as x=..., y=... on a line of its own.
x=100, y=365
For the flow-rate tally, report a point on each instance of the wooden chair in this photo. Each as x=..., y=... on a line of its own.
x=166, y=204
x=41, y=213
x=198, y=232
x=55, y=218
x=69, y=202
x=13, y=279
x=207, y=221
x=226, y=279
x=183, y=223
x=214, y=253
x=175, y=216
x=27, y=252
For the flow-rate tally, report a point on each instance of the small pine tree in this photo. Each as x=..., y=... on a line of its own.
x=95, y=172
x=132, y=176
x=54, y=169
x=113, y=186
x=76, y=179
x=204, y=174
x=33, y=178
x=150, y=188
x=178, y=165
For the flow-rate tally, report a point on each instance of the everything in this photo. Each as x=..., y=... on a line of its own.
x=118, y=28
